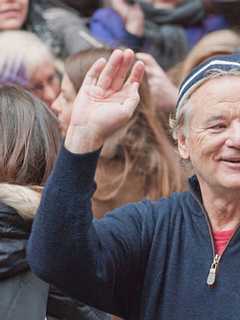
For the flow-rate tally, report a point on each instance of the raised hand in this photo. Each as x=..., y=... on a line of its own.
x=105, y=101
x=162, y=90
x=132, y=15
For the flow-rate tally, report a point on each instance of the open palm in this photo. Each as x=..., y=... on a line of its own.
x=108, y=98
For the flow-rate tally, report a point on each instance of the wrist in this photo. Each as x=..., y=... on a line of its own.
x=135, y=29
x=80, y=140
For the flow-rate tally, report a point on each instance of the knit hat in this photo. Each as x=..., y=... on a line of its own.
x=201, y=73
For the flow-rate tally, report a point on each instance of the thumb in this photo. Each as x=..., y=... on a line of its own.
x=132, y=101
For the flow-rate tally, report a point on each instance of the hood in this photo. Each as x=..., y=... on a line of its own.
x=18, y=205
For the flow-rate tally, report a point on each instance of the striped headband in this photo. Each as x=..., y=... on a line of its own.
x=201, y=73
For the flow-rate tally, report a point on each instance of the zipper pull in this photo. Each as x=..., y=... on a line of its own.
x=213, y=270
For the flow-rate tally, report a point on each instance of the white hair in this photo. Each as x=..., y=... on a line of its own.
x=23, y=47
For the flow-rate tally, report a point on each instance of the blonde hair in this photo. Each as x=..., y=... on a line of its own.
x=215, y=43
x=23, y=47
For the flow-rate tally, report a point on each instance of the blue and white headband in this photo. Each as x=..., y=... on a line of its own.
x=201, y=73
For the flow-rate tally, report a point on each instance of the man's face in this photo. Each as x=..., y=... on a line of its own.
x=213, y=140
x=13, y=14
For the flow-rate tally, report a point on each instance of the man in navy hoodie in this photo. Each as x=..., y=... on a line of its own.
x=176, y=258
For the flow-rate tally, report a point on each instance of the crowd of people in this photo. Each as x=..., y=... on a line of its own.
x=119, y=159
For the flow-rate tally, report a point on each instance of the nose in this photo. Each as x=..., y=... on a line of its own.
x=49, y=95
x=55, y=106
x=234, y=135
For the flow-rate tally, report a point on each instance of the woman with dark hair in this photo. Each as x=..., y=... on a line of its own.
x=139, y=160
x=37, y=17
x=27, y=15
x=30, y=139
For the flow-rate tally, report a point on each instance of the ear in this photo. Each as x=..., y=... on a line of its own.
x=183, y=147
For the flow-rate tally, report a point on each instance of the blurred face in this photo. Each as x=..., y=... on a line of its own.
x=213, y=140
x=13, y=14
x=63, y=105
x=45, y=83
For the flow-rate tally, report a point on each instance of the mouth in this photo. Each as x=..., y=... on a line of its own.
x=232, y=162
x=231, y=159
x=9, y=13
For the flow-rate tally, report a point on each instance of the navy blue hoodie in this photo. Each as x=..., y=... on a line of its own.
x=148, y=260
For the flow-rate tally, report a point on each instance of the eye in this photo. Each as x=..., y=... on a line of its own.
x=52, y=78
x=37, y=87
x=218, y=126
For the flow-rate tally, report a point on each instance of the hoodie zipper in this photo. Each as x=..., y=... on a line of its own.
x=212, y=274
x=211, y=279
x=213, y=271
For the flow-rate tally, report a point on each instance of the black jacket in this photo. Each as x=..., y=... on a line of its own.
x=23, y=295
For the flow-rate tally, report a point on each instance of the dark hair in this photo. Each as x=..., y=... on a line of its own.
x=85, y=7
x=142, y=147
x=30, y=138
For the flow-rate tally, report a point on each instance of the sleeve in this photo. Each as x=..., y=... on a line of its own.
x=108, y=26
x=71, y=29
x=100, y=262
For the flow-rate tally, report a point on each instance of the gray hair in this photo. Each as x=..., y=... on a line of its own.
x=25, y=48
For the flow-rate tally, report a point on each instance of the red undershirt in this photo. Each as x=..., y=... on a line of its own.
x=221, y=239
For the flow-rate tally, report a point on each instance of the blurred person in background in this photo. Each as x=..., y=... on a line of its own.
x=84, y=7
x=230, y=9
x=215, y=43
x=164, y=85
x=36, y=16
x=165, y=29
x=26, y=49
x=139, y=161
x=30, y=140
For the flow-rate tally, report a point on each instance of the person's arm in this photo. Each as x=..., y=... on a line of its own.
x=92, y=260
x=71, y=30
x=109, y=27
x=99, y=262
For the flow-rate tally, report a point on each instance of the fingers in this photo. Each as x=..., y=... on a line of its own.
x=128, y=58
x=107, y=75
x=112, y=74
x=145, y=57
x=150, y=63
x=94, y=72
x=131, y=103
x=137, y=73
